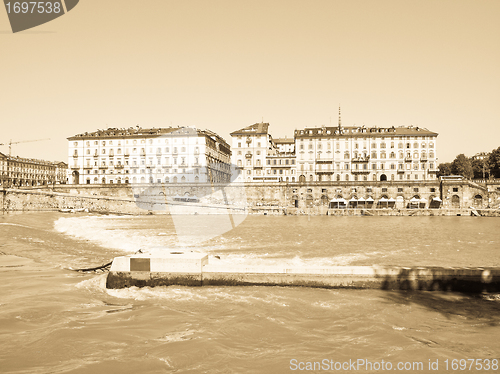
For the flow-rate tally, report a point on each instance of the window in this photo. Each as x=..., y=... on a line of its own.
x=400, y=189
x=455, y=189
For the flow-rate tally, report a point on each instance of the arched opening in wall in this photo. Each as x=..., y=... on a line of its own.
x=151, y=180
x=183, y=179
x=392, y=177
x=383, y=177
x=96, y=180
x=414, y=202
x=134, y=180
x=374, y=177
x=196, y=179
x=175, y=180
x=76, y=177
x=88, y=180
x=338, y=177
x=293, y=179
x=309, y=201
x=311, y=178
x=383, y=202
x=455, y=201
x=126, y=180
x=302, y=179
x=295, y=201
x=119, y=180
x=324, y=200
x=103, y=181
x=478, y=201
x=400, y=202
x=320, y=178
x=143, y=180
x=347, y=177
x=167, y=180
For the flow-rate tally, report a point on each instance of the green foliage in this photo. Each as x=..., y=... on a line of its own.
x=444, y=169
x=494, y=163
x=480, y=168
x=462, y=166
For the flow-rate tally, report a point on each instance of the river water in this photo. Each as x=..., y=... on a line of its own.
x=55, y=320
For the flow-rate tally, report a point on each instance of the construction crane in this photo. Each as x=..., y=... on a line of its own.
x=22, y=141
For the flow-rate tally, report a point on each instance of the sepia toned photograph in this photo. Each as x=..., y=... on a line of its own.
x=228, y=186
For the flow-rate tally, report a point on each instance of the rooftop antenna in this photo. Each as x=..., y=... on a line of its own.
x=340, y=121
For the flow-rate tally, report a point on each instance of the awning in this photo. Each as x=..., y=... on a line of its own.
x=353, y=199
x=361, y=200
x=436, y=199
x=370, y=200
x=334, y=201
x=414, y=200
x=391, y=200
x=383, y=200
x=423, y=200
x=343, y=201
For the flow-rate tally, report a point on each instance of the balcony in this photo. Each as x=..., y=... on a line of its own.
x=361, y=159
x=126, y=154
x=248, y=155
x=75, y=156
x=360, y=171
x=119, y=167
x=401, y=171
x=423, y=159
x=95, y=155
x=408, y=159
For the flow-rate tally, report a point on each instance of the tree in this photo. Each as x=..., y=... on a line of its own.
x=480, y=168
x=462, y=166
x=444, y=169
x=494, y=163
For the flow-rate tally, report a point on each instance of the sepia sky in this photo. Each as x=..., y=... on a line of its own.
x=227, y=64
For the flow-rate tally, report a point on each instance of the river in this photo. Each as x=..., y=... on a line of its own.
x=55, y=320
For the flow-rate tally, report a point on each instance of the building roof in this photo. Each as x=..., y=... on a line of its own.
x=123, y=132
x=284, y=141
x=138, y=132
x=255, y=129
x=362, y=131
x=28, y=160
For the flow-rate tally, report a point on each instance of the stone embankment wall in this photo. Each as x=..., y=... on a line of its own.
x=261, y=198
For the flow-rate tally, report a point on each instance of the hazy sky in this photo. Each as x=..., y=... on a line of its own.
x=227, y=64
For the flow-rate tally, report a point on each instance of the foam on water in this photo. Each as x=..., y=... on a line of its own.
x=113, y=232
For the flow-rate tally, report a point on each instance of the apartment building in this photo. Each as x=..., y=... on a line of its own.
x=16, y=171
x=320, y=154
x=154, y=155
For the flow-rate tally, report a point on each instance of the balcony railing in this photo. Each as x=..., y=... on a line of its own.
x=360, y=171
x=361, y=159
x=408, y=159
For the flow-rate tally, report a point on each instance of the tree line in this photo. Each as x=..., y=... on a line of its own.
x=483, y=165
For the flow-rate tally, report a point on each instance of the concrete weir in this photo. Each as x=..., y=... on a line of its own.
x=194, y=269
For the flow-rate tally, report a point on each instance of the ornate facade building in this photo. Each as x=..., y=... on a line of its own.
x=259, y=158
x=155, y=155
x=29, y=172
x=335, y=154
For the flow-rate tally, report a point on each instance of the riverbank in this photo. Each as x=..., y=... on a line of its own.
x=157, y=200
